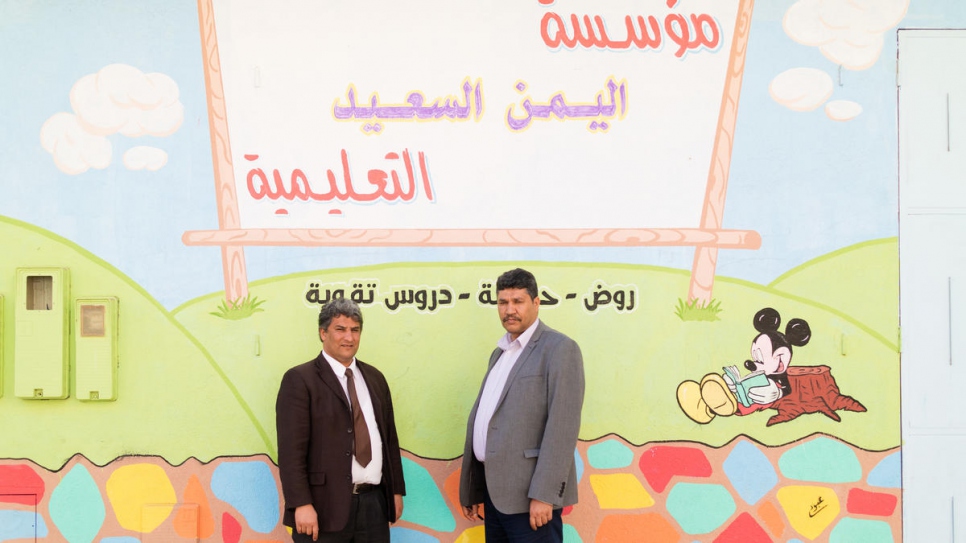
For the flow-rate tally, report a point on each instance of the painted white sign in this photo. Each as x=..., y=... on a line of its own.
x=457, y=114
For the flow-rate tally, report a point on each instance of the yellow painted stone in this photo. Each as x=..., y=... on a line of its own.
x=141, y=495
x=620, y=491
x=809, y=509
x=476, y=534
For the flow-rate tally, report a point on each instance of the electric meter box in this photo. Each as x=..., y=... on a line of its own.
x=95, y=349
x=41, y=355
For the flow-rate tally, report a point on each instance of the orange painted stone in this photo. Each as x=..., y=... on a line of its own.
x=650, y=527
x=189, y=525
x=772, y=518
x=744, y=530
x=660, y=463
x=863, y=502
x=451, y=489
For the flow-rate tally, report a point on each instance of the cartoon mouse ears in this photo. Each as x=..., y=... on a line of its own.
x=797, y=331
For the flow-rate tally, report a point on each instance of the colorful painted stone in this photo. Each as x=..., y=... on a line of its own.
x=424, y=503
x=620, y=491
x=743, y=530
x=662, y=462
x=251, y=489
x=887, y=473
x=197, y=522
x=821, y=460
x=750, y=472
x=853, y=530
x=141, y=496
x=21, y=525
x=231, y=529
x=408, y=535
x=76, y=506
x=772, y=517
x=610, y=454
x=476, y=534
x=19, y=483
x=622, y=528
x=698, y=508
x=863, y=502
x=809, y=509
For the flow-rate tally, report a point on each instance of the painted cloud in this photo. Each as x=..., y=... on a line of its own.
x=117, y=99
x=848, y=32
x=801, y=89
x=145, y=158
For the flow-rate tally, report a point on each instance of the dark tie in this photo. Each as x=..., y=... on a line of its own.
x=363, y=447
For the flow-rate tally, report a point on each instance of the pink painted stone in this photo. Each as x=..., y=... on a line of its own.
x=745, y=529
x=863, y=502
x=660, y=463
x=230, y=529
x=19, y=483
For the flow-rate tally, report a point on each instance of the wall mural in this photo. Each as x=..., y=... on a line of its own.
x=705, y=190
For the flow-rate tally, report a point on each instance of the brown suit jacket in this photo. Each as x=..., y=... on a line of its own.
x=314, y=425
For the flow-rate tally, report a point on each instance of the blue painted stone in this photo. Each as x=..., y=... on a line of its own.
x=250, y=488
x=853, y=530
x=888, y=472
x=794, y=541
x=821, y=460
x=570, y=534
x=609, y=454
x=579, y=465
x=21, y=525
x=424, y=503
x=750, y=472
x=121, y=539
x=77, y=506
x=408, y=535
x=700, y=509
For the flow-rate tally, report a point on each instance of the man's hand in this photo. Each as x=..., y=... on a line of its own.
x=472, y=512
x=398, y=499
x=306, y=521
x=540, y=513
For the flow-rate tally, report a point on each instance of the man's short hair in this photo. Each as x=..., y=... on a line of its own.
x=518, y=278
x=339, y=307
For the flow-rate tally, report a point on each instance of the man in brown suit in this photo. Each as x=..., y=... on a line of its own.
x=338, y=453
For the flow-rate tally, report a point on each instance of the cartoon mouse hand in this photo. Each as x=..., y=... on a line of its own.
x=765, y=394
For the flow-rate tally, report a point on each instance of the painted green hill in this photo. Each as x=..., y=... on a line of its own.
x=172, y=398
x=194, y=384
x=634, y=360
x=861, y=280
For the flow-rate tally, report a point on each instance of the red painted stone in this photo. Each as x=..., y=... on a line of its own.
x=659, y=464
x=19, y=483
x=863, y=502
x=230, y=529
x=567, y=510
x=744, y=530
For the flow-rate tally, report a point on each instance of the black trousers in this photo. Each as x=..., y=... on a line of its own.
x=367, y=522
x=515, y=528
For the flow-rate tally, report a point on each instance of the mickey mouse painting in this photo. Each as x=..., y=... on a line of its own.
x=772, y=383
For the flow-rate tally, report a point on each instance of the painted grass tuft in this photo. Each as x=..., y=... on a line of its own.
x=694, y=310
x=240, y=308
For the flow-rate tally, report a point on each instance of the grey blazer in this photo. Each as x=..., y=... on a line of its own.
x=533, y=433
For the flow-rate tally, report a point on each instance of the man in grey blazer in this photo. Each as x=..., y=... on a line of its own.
x=518, y=460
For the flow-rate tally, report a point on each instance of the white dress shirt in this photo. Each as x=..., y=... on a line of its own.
x=495, y=384
x=371, y=473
